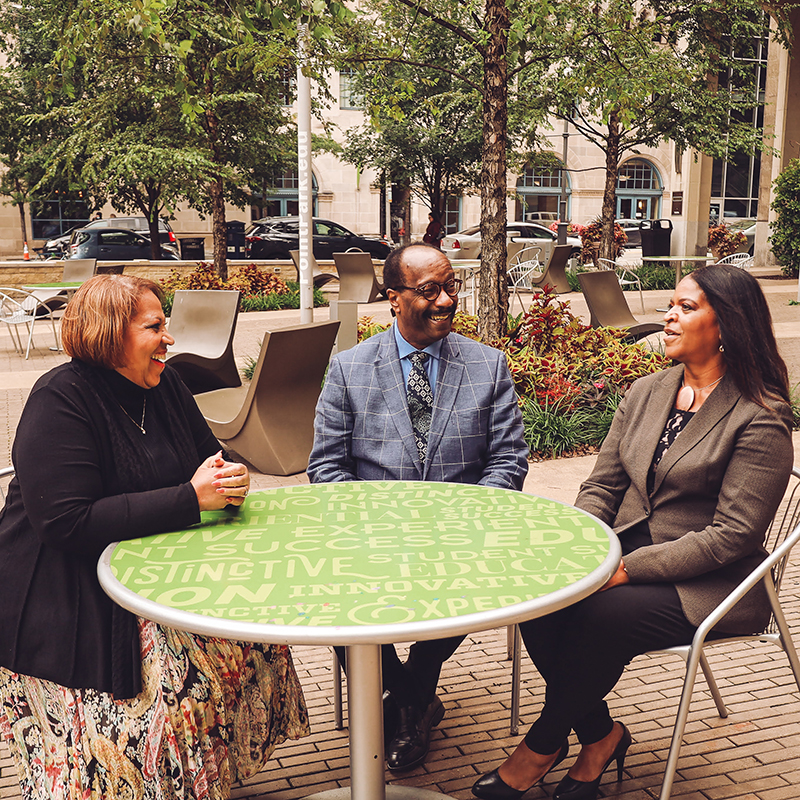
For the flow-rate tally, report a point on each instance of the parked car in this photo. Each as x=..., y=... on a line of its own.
x=467, y=243
x=58, y=247
x=114, y=244
x=274, y=237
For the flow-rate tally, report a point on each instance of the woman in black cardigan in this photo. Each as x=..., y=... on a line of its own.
x=112, y=446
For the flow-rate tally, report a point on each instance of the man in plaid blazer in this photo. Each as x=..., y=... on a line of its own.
x=363, y=431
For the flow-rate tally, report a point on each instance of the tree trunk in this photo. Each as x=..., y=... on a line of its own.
x=23, y=226
x=493, y=296
x=219, y=229
x=155, y=235
x=608, y=247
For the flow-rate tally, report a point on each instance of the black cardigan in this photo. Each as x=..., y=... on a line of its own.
x=86, y=476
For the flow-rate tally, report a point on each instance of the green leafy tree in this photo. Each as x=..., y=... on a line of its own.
x=628, y=74
x=785, y=236
x=423, y=127
x=636, y=74
x=182, y=101
x=27, y=141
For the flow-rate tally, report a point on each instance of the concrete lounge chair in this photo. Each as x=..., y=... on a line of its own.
x=625, y=276
x=357, y=280
x=608, y=307
x=270, y=423
x=319, y=277
x=525, y=271
x=203, y=322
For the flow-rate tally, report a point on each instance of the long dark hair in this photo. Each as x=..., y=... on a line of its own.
x=745, y=328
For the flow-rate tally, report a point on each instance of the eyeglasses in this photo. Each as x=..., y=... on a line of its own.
x=430, y=291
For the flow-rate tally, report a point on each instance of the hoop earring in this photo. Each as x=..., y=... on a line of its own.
x=721, y=349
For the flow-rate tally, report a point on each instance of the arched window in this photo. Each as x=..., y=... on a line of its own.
x=639, y=189
x=281, y=199
x=539, y=193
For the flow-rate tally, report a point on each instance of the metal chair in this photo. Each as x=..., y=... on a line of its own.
x=203, y=323
x=625, y=276
x=608, y=307
x=19, y=307
x=782, y=535
x=287, y=377
x=526, y=272
x=741, y=260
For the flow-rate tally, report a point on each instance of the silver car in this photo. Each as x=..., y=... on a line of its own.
x=467, y=243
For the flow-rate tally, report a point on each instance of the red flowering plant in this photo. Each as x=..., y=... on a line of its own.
x=591, y=235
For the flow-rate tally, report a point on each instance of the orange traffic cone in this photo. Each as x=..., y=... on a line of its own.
x=26, y=256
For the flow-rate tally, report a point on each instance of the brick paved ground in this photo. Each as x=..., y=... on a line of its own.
x=754, y=754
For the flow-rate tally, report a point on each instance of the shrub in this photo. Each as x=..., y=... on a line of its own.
x=260, y=290
x=591, y=235
x=785, y=236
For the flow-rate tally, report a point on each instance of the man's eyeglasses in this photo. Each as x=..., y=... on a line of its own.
x=430, y=291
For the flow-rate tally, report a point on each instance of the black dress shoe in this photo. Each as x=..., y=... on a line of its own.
x=570, y=789
x=492, y=787
x=410, y=745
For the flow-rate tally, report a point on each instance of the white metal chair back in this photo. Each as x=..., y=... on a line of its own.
x=523, y=273
x=741, y=260
x=19, y=307
x=625, y=276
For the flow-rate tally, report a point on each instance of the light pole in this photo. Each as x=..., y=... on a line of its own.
x=304, y=194
x=562, y=209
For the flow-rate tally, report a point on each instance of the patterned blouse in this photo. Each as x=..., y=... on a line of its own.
x=676, y=422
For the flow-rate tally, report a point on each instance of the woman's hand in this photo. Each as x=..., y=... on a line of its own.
x=617, y=579
x=218, y=483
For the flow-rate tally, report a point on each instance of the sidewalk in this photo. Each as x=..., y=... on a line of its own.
x=754, y=754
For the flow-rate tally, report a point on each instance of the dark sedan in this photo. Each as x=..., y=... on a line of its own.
x=274, y=237
x=114, y=244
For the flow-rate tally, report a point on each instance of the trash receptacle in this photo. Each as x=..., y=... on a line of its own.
x=193, y=249
x=656, y=236
x=235, y=239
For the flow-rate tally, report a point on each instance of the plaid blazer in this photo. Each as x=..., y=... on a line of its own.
x=362, y=429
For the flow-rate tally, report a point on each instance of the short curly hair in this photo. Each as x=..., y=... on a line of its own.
x=95, y=319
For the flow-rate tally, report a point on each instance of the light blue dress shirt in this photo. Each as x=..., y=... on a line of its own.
x=405, y=350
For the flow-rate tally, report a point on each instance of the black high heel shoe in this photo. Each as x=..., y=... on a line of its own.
x=570, y=789
x=492, y=787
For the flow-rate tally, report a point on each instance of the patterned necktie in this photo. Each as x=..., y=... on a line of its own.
x=420, y=402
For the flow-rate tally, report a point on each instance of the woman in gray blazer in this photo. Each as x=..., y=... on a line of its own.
x=693, y=469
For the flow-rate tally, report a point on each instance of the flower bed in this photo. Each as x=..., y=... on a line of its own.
x=261, y=291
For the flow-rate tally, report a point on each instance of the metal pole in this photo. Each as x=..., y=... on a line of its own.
x=562, y=211
x=304, y=194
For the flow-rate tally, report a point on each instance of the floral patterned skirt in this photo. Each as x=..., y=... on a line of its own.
x=210, y=713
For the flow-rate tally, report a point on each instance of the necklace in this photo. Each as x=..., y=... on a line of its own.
x=140, y=426
x=685, y=399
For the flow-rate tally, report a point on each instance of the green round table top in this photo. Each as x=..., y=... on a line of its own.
x=420, y=558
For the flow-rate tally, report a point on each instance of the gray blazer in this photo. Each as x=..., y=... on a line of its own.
x=362, y=429
x=716, y=490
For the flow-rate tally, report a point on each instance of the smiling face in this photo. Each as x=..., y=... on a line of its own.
x=145, y=343
x=423, y=322
x=691, y=331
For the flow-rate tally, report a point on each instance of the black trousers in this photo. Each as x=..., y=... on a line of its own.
x=581, y=652
x=414, y=683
